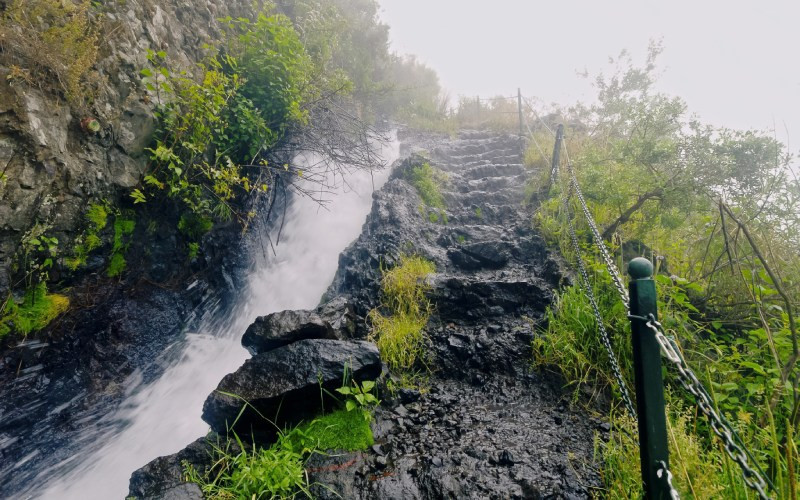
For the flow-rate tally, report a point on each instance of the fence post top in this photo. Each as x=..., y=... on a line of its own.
x=640, y=268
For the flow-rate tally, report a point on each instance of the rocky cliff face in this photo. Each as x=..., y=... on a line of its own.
x=489, y=427
x=53, y=168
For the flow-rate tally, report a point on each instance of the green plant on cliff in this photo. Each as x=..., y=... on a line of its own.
x=398, y=324
x=250, y=90
x=37, y=309
x=428, y=183
x=57, y=40
x=124, y=224
x=97, y=219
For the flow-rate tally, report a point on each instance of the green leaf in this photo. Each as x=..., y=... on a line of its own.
x=754, y=366
x=350, y=405
x=367, y=385
x=138, y=197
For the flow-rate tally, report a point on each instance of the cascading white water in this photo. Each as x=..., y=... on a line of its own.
x=162, y=417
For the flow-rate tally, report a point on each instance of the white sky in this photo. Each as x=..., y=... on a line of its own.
x=736, y=63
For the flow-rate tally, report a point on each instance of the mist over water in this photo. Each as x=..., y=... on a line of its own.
x=162, y=417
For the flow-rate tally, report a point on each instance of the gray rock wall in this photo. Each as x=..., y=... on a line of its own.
x=53, y=168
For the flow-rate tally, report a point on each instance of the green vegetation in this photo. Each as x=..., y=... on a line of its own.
x=359, y=396
x=89, y=240
x=278, y=471
x=400, y=333
x=37, y=310
x=52, y=40
x=260, y=473
x=569, y=344
x=123, y=228
x=697, y=472
x=713, y=209
x=269, y=77
x=428, y=183
x=33, y=261
x=347, y=430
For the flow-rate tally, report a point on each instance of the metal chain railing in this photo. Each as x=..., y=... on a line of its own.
x=587, y=286
x=601, y=245
x=664, y=471
x=755, y=479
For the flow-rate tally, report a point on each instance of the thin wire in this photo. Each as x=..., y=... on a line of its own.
x=538, y=117
x=535, y=142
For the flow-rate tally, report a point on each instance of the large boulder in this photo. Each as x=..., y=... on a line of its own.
x=288, y=384
x=333, y=320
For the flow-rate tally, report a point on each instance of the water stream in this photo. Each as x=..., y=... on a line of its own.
x=162, y=417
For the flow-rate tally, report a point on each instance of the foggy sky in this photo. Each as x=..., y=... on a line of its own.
x=734, y=62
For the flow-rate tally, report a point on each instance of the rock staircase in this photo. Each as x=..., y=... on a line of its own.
x=490, y=426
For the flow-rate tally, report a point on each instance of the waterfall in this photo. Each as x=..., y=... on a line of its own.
x=161, y=417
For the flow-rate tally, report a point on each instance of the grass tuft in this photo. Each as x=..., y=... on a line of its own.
x=274, y=472
x=340, y=430
x=399, y=334
x=427, y=181
x=697, y=472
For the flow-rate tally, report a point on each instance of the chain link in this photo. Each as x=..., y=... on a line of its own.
x=664, y=470
x=601, y=245
x=587, y=285
x=754, y=479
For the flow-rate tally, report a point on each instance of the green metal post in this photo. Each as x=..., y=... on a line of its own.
x=649, y=382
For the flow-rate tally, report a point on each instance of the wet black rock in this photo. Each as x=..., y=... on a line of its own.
x=481, y=255
x=333, y=320
x=287, y=384
x=163, y=478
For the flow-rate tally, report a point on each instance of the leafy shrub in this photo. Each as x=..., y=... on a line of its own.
x=251, y=89
x=56, y=39
x=359, y=396
x=653, y=179
x=400, y=334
